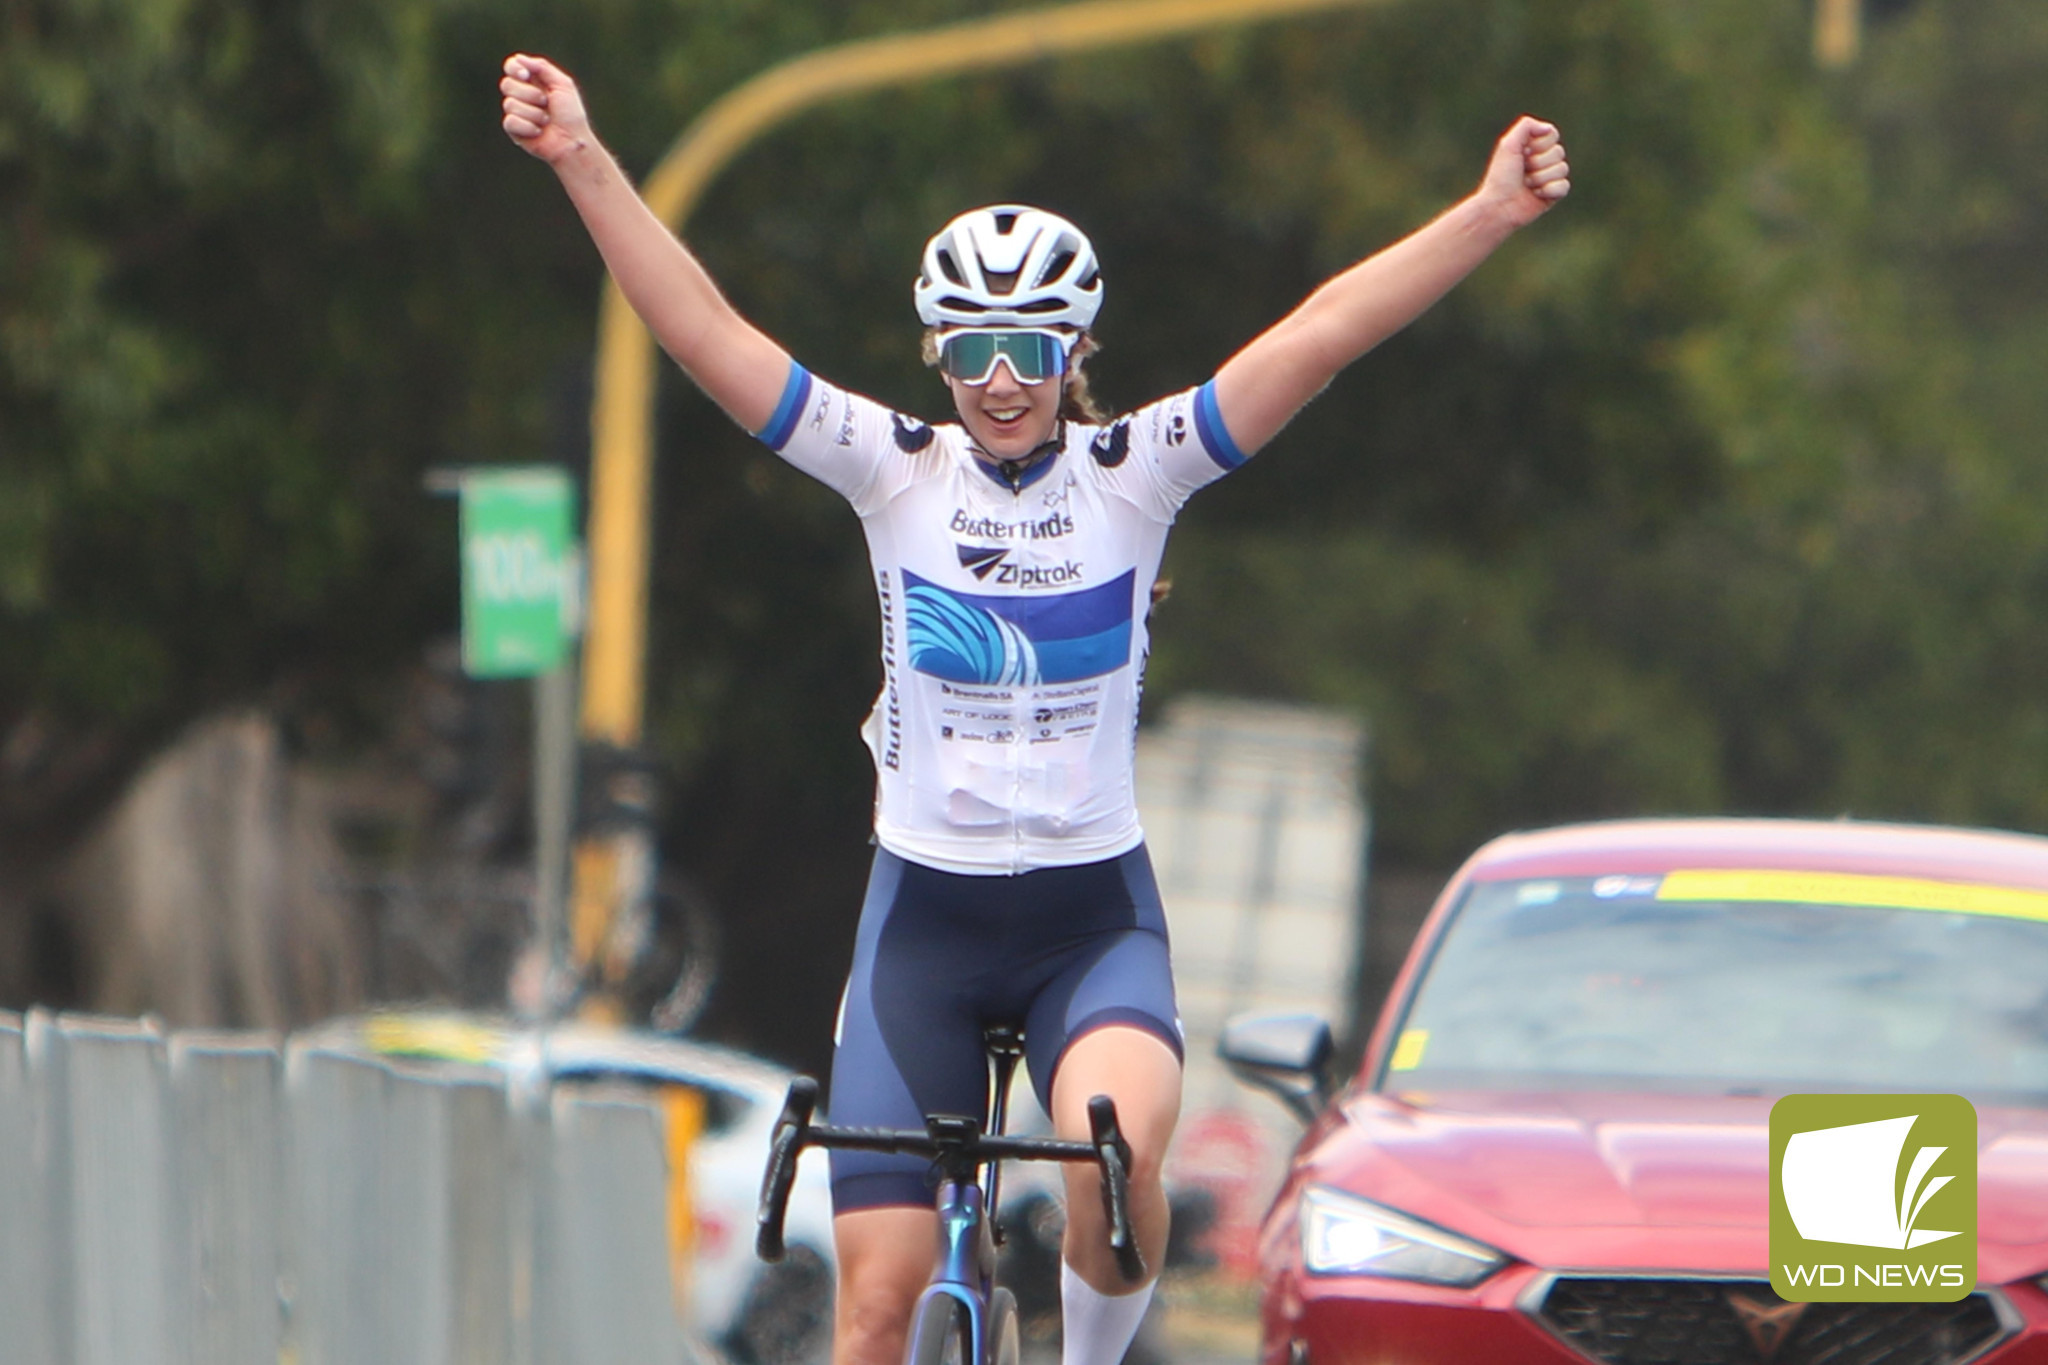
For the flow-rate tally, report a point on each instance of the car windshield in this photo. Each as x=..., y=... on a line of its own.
x=1751, y=982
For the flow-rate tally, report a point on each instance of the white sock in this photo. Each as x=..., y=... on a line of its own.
x=1097, y=1328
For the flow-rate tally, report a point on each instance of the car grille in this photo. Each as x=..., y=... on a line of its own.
x=1621, y=1321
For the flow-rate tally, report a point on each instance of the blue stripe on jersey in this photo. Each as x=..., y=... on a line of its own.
x=1054, y=616
x=1209, y=426
x=1090, y=656
x=796, y=391
x=1032, y=474
x=1018, y=641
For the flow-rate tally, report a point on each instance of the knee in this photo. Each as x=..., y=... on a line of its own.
x=871, y=1317
x=1084, y=1179
x=1147, y=1132
x=879, y=1289
x=1135, y=1068
x=885, y=1257
x=1148, y=1165
x=872, y=1312
x=1148, y=1159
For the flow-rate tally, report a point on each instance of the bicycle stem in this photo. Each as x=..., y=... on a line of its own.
x=966, y=1248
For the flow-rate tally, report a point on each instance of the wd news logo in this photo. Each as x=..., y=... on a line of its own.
x=1873, y=1198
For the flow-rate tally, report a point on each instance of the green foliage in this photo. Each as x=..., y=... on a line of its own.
x=209, y=451
x=1714, y=491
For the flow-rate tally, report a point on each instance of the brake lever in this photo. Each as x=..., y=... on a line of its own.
x=786, y=1144
x=1114, y=1155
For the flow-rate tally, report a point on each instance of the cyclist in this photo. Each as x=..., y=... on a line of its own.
x=1014, y=554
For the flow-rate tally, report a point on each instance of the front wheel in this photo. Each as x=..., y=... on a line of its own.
x=939, y=1336
x=1004, y=1340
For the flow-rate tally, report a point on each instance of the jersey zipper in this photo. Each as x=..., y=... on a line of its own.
x=1016, y=790
x=1013, y=475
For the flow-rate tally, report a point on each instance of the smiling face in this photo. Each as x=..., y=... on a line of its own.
x=1010, y=384
x=1007, y=419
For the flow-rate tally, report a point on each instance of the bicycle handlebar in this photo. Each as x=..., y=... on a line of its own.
x=947, y=1138
x=1114, y=1154
x=783, y=1149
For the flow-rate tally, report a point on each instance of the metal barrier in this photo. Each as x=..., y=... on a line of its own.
x=220, y=1199
x=607, y=1158
x=28, y=1257
x=228, y=1114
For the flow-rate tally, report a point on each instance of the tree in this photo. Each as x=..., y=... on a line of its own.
x=1713, y=492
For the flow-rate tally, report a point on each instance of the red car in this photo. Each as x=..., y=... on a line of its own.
x=1557, y=1149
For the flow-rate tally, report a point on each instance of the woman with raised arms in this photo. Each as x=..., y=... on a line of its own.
x=1014, y=552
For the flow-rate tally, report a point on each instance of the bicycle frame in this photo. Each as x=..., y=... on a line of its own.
x=965, y=1268
x=968, y=1236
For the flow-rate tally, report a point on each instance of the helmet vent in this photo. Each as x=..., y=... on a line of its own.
x=1008, y=265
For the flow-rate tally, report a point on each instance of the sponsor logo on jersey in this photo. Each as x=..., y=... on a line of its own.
x=1061, y=715
x=892, y=742
x=994, y=562
x=911, y=434
x=965, y=523
x=1112, y=445
x=980, y=560
x=1170, y=421
x=1009, y=575
x=1013, y=641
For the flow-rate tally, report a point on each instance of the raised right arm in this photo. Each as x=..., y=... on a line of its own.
x=740, y=367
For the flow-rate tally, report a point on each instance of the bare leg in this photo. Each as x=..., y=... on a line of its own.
x=1140, y=1072
x=885, y=1259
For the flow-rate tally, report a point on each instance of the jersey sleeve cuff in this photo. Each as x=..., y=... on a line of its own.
x=1214, y=435
x=796, y=391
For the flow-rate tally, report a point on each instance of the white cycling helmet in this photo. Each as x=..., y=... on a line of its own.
x=1009, y=265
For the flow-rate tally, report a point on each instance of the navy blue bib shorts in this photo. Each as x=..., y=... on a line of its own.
x=941, y=955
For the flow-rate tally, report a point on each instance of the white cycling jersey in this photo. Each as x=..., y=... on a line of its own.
x=1013, y=619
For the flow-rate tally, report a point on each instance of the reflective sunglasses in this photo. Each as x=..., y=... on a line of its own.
x=1033, y=357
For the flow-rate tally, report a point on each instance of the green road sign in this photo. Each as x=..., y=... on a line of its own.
x=518, y=570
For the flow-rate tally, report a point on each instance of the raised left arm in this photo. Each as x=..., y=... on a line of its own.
x=1259, y=389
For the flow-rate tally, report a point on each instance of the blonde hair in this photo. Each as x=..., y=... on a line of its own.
x=1077, y=404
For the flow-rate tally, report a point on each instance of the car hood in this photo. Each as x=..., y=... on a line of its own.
x=1631, y=1181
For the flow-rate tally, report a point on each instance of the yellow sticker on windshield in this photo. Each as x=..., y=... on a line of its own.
x=440, y=1037
x=1853, y=888
x=1408, y=1051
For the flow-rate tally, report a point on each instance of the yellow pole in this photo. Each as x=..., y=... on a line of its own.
x=1837, y=32
x=682, y=1112
x=622, y=417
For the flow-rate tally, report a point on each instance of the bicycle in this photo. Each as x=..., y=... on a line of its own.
x=963, y=1317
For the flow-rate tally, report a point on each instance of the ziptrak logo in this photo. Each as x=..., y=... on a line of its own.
x=1873, y=1198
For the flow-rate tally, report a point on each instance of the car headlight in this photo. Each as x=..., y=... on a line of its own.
x=1342, y=1234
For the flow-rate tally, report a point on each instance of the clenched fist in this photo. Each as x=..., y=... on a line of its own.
x=543, y=110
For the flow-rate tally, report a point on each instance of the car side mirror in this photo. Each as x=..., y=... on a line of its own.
x=1286, y=1054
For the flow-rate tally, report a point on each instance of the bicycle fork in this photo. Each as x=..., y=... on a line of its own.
x=967, y=1263
x=968, y=1235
